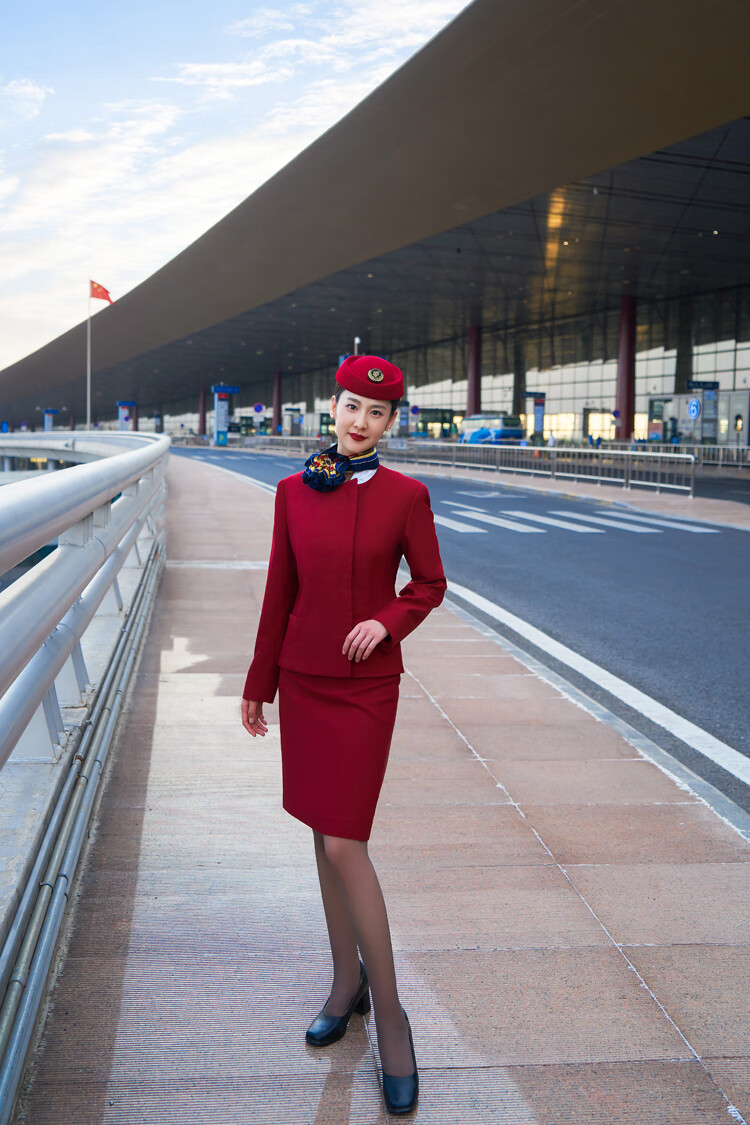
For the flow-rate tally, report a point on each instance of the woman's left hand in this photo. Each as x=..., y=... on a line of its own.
x=363, y=639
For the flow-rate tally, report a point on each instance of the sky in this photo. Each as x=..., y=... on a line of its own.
x=128, y=129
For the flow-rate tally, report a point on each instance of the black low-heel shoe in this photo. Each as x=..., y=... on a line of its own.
x=401, y=1094
x=328, y=1029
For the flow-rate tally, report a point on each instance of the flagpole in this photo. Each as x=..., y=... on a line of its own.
x=88, y=363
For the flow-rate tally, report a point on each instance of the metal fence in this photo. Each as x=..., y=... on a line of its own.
x=660, y=470
x=96, y=517
x=669, y=471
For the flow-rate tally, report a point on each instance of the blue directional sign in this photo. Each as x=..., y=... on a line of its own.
x=694, y=408
x=702, y=385
x=259, y=408
x=221, y=388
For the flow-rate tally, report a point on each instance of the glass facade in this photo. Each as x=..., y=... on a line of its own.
x=574, y=362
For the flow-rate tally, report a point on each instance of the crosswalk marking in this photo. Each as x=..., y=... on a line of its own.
x=495, y=521
x=611, y=523
x=667, y=523
x=454, y=525
x=479, y=495
x=555, y=523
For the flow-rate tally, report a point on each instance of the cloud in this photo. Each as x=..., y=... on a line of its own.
x=73, y=136
x=220, y=80
x=23, y=97
x=348, y=36
x=116, y=196
x=268, y=20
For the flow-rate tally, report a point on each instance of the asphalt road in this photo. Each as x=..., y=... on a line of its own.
x=663, y=608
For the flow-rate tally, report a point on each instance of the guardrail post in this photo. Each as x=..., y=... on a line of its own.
x=79, y=534
x=79, y=667
x=628, y=470
x=52, y=714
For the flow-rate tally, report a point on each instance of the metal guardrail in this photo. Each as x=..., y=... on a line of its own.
x=44, y=613
x=660, y=471
x=100, y=514
x=629, y=468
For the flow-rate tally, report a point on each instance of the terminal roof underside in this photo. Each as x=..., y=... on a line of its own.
x=646, y=228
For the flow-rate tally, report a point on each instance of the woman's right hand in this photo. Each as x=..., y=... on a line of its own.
x=252, y=718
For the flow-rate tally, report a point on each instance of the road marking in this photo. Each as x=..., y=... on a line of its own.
x=239, y=475
x=495, y=521
x=713, y=748
x=668, y=523
x=611, y=523
x=480, y=495
x=454, y=525
x=555, y=523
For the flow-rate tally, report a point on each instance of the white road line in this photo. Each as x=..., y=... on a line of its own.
x=464, y=507
x=554, y=523
x=495, y=521
x=249, y=480
x=667, y=523
x=713, y=748
x=479, y=495
x=454, y=525
x=610, y=523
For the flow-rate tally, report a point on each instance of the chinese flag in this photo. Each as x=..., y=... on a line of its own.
x=100, y=292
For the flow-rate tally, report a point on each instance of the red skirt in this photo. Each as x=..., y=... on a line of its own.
x=335, y=739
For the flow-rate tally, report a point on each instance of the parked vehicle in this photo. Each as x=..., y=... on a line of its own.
x=491, y=429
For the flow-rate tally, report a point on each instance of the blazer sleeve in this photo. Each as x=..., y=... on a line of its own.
x=281, y=590
x=427, y=586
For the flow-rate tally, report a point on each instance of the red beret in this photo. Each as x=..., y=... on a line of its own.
x=371, y=377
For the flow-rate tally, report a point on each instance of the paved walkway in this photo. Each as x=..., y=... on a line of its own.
x=572, y=928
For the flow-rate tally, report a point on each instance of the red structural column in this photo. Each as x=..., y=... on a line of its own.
x=134, y=416
x=72, y=421
x=626, y=371
x=202, y=412
x=474, y=372
x=276, y=421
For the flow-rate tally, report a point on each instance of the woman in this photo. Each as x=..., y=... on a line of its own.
x=329, y=640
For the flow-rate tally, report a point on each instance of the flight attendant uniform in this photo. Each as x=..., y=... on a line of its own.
x=334, y=559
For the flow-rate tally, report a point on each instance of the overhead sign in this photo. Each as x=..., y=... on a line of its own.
x=702, y=385
x=222, y=387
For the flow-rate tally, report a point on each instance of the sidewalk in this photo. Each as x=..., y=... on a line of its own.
x=572, y=929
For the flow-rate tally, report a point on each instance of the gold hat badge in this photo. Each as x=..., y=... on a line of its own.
x=375, y=375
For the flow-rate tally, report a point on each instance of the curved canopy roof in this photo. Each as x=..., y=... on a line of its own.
x=511, y=101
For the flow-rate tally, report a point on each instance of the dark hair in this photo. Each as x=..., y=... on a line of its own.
x=394, y=403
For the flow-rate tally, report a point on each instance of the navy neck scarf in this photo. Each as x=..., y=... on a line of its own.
x=327, y=470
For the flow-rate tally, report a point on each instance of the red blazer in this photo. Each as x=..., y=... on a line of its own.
x=334, y=559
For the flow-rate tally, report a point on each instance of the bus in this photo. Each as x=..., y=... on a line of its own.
x=491, y=429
